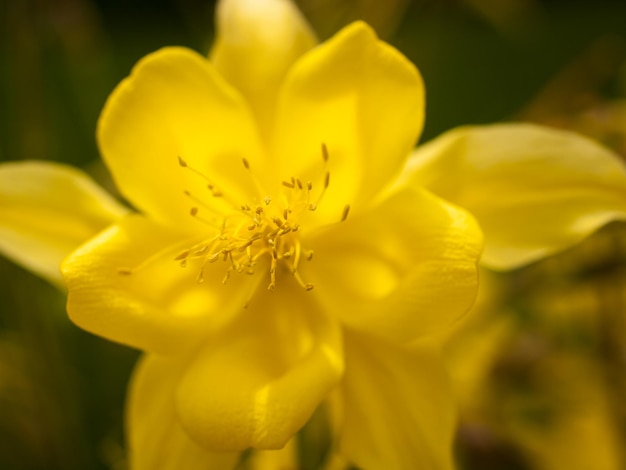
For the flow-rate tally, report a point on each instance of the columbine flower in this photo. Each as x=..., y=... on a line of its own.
x=273, y=261
x=285, y=253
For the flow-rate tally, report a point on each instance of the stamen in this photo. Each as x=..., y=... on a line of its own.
x=313, y=207
x=184, y=164
x=216, y=192
x=255, y=180
x=263, y=229
x=272, y=284
x=200, y=251
x=128, y=271
x=308, y=286
x=200, y=202
x=344, y=214
x=210, y=222
x=182, y=255
x=324, y=152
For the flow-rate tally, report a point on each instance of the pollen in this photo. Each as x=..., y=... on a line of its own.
x=263, y=234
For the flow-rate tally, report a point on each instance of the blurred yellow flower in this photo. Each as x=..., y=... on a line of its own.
x=537, y=367
x=266, y=227
x=287, y=250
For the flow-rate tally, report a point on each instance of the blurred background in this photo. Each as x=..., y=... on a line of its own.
x=540, y=368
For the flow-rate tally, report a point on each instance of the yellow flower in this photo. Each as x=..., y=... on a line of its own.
x=285, y=251
x=272, y=249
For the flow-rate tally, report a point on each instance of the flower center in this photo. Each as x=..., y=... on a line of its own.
x=264, y=232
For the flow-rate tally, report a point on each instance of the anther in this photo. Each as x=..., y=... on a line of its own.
x=344, y=214
x=287, y=184
x=267, y=200
x=193, y=211
x=182, y=255
x=245, y=163
x=182, y=162
x=327, y=179
x=201, y=251
x=324, y=152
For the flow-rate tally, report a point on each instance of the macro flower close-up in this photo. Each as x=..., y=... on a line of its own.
x=259, y=239
x=288, y=251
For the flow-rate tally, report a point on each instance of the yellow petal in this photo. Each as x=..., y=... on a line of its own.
x=364, y=101
x=259, y=381
x=175, y=105
x=402, y=270
x=256, y=44
x=534, y=190
x=398, y=412
x=125, y=285
x=155, y=437
x=46, y=211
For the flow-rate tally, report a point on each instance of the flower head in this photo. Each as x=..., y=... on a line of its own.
x=285, y=252
x=269, y=239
